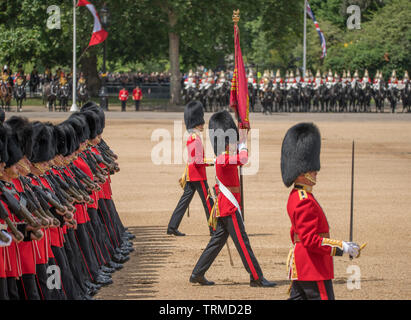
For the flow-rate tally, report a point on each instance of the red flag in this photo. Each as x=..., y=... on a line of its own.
x=239, y=99
x=99, y=34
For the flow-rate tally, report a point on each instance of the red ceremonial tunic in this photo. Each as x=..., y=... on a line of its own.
x=81, y=214
x=25, y=248
x=196, y=164
x=137, y=94
x=105, y=192
x=123, y=95
x=82, y=165
x=227, y=174
x=2, y=263
x=312, y=259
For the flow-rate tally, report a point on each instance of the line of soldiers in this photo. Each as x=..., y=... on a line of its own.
x=329, y=92
x=61, y=236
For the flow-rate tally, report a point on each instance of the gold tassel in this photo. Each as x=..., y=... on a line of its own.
x=212, y=221
x=183, y=180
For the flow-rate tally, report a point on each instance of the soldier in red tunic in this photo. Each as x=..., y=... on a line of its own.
x=226, y=215
x=123, y=97
x=194, y=177
x=310, y=262
x=137, y=96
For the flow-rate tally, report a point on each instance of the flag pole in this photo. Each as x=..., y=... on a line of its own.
x=74, y=107
x=305, y=38
x=236, y=18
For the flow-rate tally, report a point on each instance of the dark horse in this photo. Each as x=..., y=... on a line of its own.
x=365, y=98
x=278, y=98
x=50, y=90
x=392, y=96
x=267, y=99
x=222, y=95
x=324, y=97
x=188, y=94
x=292, y=99
x=305, y=97
x=334, y=96
x=63, y=95
x=252, y=95
x=209, y=98
x=379, y=96
x=82, y=93
x=406, y=97
x=19, y=95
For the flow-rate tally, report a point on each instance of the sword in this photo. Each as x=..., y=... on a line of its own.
x=352, y=196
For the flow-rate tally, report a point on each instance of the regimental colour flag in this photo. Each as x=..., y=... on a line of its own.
x=317, y=27
x=99, y=34
x=239, y=99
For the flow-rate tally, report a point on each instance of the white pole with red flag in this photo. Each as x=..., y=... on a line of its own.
x=74, y=106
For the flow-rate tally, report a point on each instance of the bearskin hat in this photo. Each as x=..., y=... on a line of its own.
x=3, y=144
x=93, y=122
x=92, y=106
x=300, y=151
x=80, y=126
x=61, y=139
x=2, y=116
x=193, y=114
x=23, y=131
x=71, y=138
x=222, y=130
x=15, y=154
x=44, y=144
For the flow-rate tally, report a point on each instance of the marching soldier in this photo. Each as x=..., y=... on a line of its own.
x=194, y=178
x=310, y=261
x=226, y=217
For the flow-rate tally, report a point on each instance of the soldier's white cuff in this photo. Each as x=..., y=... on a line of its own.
x=242, y=146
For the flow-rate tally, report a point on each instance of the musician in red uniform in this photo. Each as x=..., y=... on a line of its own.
x=137, y=96
x=226, y=215
x=123, y=97
x=310, y=261
x=194, y=177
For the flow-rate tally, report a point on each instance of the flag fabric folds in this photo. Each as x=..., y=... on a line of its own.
x=239, y=99
x=99, y=34
x=317, y=27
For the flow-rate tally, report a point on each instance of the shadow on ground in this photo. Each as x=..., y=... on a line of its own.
x=139, y=276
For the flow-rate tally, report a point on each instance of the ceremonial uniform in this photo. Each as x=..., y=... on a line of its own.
x=310, y=261
x=194, y=177
x=123, y=97
x=227, y=218
x=137, y=96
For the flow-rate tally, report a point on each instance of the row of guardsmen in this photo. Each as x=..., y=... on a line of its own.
x=61, y=237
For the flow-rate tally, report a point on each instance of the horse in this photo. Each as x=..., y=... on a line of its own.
x=343, y=98
x=278, y=98
x=305, y=97
x=267, y=99
x=33, y=84
x=222, y=95
x=379, y=96
x=405, y=94
x=252, y=94
x=209, y=97
x=6, y=94
x=82, y=93
x=365, y=98
x=291, y=99
x=392, y=96
x=63, y=94
x=334, y=97
x=324, y=97
x=19, y=95
x=50, y=90
x=354, y=97
x=188, y=94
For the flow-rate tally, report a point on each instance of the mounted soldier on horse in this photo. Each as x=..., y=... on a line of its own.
x=6, y=89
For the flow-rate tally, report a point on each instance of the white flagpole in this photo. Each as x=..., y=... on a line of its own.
x=74, y=107
x=305, y=38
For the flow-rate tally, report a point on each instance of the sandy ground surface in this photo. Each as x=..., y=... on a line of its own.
x=146, y=194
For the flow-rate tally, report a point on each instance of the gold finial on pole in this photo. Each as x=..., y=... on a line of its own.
x=236, y=16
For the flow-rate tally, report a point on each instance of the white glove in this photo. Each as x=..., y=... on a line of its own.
x=351, y=248
x=5, y=244
x=242, y=146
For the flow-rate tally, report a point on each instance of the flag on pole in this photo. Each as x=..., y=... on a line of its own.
x=99, y=34
x=239, y=99
x=317, y=27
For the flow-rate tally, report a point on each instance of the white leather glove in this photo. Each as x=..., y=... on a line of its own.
x=5, y=244
x=351, y=248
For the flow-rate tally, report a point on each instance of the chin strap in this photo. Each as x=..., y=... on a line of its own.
x=310, y=178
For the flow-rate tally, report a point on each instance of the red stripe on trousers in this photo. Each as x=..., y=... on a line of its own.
x=205, y=196
x=323, y=291
x=243, y=247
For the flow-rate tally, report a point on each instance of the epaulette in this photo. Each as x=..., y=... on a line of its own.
x=302, y=194
x=193, y=136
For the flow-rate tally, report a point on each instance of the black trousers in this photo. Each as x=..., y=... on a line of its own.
x=100, y=237
x=4, y=295
x=312, y=290
x=137, y=102
x=115, y=218
x=12, y=288
x=87, y=252
x=230, y=225
x=191, y=187
x=123, y=105
x=44, y=291
x=27, y=287
x=108, y=224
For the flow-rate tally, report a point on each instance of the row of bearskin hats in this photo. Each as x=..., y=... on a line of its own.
x=43, y=141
